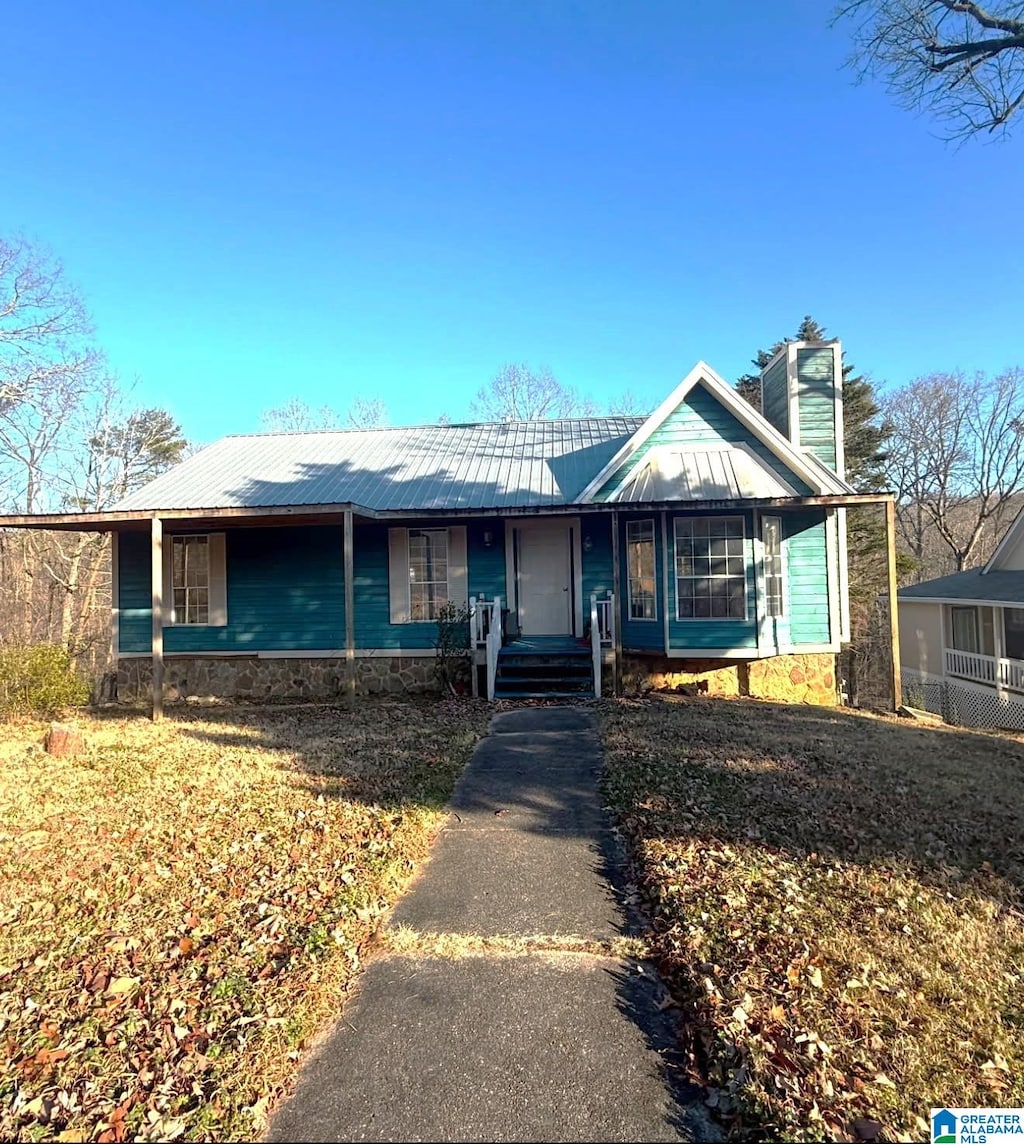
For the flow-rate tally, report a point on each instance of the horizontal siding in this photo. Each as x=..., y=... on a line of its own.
x=597, y=574
x=645, y=635
x=284, y=585
x=807, y=568
x=775, y=396
x=286, y=591
x=373, y=626
x=699, y=419
x=816, y=400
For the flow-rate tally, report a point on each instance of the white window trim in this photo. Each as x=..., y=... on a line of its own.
x=630, y=618
x=783, y=577
x=217, y=607
x=746, y=579
x=399, y=584
x=447, y=575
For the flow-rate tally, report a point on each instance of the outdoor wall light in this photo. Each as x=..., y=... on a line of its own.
x=488, y=538
x=588, y=544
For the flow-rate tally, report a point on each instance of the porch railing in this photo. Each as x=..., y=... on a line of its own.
x=1003, y=673
x=485, y=633
x=602, y=633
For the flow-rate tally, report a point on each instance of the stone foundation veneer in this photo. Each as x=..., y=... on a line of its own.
x=197, y=678
x=796, y=678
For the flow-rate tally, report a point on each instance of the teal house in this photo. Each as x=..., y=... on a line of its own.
x=705, y=543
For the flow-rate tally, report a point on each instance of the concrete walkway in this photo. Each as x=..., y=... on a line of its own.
x=537, y=1037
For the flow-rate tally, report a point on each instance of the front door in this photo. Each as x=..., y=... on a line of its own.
x=544, y=577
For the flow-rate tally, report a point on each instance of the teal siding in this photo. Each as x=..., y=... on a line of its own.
x=643, y=635
x=597, y=574
x=487, y=565
x=725, y=634
x=816, y=399
x=285, y=591
x=807, y=574
x=775, y=396
x=700, y=419
x=373, y=626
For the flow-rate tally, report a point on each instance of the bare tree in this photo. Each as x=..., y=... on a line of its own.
x=367, y=413
x=956, y=459
x=68, y=440
x=517, y=393
x=298, y=416
x=628, y=404
x=961, y=60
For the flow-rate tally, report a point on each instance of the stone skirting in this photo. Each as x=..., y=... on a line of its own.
x=221, y=678
x=795, y=678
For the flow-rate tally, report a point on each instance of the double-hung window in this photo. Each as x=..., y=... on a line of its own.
x=641, y=563
x=711, y=568
x=771, y=544
x=190, y=579
x=428, y=572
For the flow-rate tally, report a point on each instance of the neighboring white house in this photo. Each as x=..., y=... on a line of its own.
x=962, y=640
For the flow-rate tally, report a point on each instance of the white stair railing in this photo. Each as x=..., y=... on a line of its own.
x=492, y=642
x=602, y=634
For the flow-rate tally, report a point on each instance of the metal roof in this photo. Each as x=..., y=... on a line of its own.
x=976, y=584
x=517, y=464
x=693, y=474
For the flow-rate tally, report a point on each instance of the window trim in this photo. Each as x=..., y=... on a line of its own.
x=783, y=613
x=446, y=532
x=181, y=537
x=746, y=571
x=653, y=619
x=976, y=619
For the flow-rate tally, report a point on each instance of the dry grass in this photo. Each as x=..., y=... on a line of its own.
x=406, y=942
x=184, y=906
x=836, y=900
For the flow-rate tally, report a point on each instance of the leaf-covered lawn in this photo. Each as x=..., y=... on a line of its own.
x=183, y=906
x=837, y=902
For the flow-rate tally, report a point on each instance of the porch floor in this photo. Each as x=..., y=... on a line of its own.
x=545, y=645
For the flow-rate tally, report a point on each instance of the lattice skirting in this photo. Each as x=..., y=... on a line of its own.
x=961, y=703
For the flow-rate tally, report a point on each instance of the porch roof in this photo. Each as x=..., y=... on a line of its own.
x=975, y=586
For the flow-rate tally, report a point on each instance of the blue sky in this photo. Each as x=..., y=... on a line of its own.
x=330, y=200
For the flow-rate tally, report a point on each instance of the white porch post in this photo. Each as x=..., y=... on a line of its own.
x=999, y=640
x=157, y=594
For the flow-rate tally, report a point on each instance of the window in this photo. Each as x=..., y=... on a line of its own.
x=965, y=629
x=711, y=568
x=640, y=561
x=1013, y=633
x=428, y=572
x=190, y=579
x=771, y=542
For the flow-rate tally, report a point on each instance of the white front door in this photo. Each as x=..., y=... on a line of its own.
x=544, y=577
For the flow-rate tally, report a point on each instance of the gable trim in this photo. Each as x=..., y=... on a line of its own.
x=703, y=374
x=1009, y=539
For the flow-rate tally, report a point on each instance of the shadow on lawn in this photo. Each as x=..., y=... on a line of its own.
x=947, y=802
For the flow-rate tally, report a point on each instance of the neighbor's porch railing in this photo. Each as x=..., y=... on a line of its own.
x=1003, y=673
x=602, y=633
x=485, y=632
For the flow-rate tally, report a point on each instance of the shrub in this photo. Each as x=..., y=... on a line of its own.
x=453, y=664
x=39, y=680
